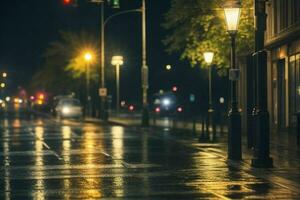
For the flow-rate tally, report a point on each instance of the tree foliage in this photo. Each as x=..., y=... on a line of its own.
x=64, y=63
x=196, y=26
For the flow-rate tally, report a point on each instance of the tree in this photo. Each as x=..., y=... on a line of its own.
x=196, y=26
x=64, y=63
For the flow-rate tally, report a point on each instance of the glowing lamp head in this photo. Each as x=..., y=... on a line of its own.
x=88, y=57
x=232, y=10
x=168, y=67
x=208, y=57
x=222, y=100
x=117, y=60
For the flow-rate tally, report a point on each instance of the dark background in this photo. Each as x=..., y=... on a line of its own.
x=27, y=28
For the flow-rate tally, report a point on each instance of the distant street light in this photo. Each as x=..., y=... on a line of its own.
x=88, y=58
x=3, y=85
x=4, y=74
x=168, y=67
x=222, y=100
x=208, y=57
x=117, y=61
x=232, y=10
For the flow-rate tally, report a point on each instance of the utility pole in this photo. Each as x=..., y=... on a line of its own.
x=145, y=84
x=102, y=89
x=261, y=130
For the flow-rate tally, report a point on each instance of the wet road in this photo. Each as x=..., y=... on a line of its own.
x=47, y=159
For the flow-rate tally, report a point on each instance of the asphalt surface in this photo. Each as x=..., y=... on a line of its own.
x=43, y=158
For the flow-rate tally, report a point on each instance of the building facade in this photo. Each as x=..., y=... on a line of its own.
x=283, y=45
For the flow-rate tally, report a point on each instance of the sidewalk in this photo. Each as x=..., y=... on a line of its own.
x=283, y=149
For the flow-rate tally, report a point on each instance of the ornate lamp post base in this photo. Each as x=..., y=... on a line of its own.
x=234, y=138
x=261, y=158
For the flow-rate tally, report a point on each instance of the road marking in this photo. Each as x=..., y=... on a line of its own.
x=125, y=164
x=47, y=146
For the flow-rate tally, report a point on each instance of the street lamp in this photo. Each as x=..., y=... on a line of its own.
x=168, y=67
x=117, y=61
x=145, y=76
x=208, y=57
x=103, y=89
x=88, y=58
x=4, y=74
x=232, y=10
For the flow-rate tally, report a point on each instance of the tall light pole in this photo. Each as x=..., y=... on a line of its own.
x=88, y=57
x=232, y=9
x=102, y=88
x=117, y=61
x=145, y=82
x=208, y=57
x=261, y=141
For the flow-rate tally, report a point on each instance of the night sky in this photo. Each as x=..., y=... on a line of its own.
x=27, y=28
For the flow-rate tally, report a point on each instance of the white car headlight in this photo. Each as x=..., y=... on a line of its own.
x=166, y=102
x=65, y=110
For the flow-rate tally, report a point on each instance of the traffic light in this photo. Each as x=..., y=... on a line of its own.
x=115, y=4
x=174, y=88
x=70, y=2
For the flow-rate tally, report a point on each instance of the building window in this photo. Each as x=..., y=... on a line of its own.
x=283, y=13
x=294, y=83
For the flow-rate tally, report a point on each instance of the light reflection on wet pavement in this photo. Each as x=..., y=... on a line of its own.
x=44, y=159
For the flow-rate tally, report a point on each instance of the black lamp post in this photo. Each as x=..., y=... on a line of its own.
x=260, y=112
x=208, y=57
x=232, y=11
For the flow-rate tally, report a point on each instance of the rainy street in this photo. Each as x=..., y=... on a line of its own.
x=43, y=158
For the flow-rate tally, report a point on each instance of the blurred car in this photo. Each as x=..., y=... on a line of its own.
x=68, y=108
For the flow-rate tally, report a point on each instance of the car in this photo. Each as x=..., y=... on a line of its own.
x=69, y=108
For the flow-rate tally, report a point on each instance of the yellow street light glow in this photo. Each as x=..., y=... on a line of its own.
x=232, y=10
x=3, y=85
x=88, y=56
x=16, y=100
x=7, y=99
x=40, y=102
x=4, y=75
x=208, y=57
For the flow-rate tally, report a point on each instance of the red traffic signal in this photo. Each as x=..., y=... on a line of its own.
x=67, y=2
x=180, y=109
x=157, y=110
x=70, y=2
x=175, y=89
x=131, y=108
